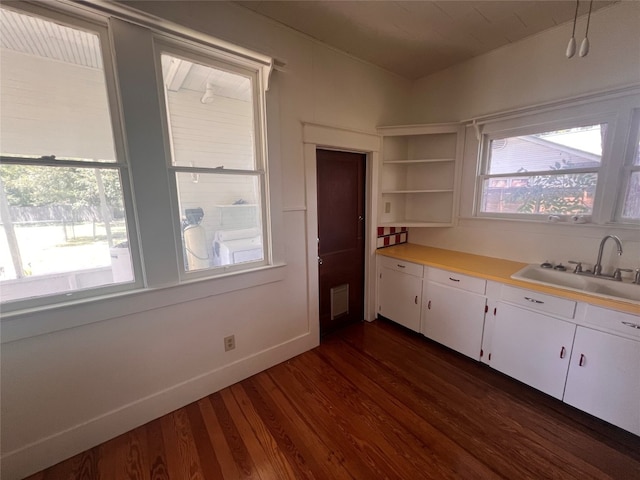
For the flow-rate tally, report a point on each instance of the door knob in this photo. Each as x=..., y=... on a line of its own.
x=319, y=261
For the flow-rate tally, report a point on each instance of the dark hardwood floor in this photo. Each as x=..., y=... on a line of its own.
x=374, y=401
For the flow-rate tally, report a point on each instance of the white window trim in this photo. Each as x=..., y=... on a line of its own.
x=631, y=151
x=615, y=109
x=254, y=70
x=98, y=26
x=164, y=287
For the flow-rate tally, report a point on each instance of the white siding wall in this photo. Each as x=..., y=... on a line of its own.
x=50, y=107
x=529, y=72
x=65, y=391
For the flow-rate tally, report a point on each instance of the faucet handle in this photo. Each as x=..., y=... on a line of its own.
x=578, y=265
x=617, y=273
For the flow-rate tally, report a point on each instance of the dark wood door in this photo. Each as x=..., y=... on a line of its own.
x=341, y=227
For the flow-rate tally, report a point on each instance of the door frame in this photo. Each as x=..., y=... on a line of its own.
x=327, y=137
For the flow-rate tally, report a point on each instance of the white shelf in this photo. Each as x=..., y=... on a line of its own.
x=389, y=192
x=425, y=160
x=415, y=223
x=418, y=175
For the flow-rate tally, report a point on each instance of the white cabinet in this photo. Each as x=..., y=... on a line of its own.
x=418, y=174
x=453, y=312
x=587, y=356
x=532, y=347
x=604, y=378
x=400, y=291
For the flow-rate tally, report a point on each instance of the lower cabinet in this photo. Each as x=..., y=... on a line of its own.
x=530, y=336
x=604, y=378
x=454, y=318
x=532, y=347
x=400, y=292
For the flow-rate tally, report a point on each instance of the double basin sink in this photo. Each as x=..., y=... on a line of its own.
x=589, y=284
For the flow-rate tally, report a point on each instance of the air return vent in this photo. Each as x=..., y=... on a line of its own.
x=339, y=301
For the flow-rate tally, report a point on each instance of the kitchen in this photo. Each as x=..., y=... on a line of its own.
x=104, y=370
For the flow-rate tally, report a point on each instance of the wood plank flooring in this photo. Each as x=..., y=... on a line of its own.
x=374, y=401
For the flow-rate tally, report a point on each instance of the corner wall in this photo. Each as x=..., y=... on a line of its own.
x=66, y=391
x=532, y=71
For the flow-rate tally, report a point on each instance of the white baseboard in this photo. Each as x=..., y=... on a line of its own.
x=62, y=445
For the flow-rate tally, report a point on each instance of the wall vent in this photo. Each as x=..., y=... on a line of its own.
x=339, y=301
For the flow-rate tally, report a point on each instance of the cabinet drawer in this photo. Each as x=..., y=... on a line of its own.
x=625, y=323
x=402, y=266
x=458, y=280
x=539, y=301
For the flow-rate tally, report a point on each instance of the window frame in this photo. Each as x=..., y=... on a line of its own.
x=255, y=71
x=613, y=108
x=485, y=156
x=632, y=150
x=139, y=142
x=99, y=27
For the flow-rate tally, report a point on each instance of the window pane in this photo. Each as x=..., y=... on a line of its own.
x=54, y=97
x=636, y=157
x=557, y=150
x=221, y=219
x=631, y=209
x=544, y=194
x=63, y=229
x=210, y=115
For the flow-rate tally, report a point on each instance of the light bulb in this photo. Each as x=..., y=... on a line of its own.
x=571, y=47
x=584, y=47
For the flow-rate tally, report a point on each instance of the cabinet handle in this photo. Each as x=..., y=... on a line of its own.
x=533, y=300
x=562, y=352
x=581, y=362
x=400, y=266
x=454, y=279
x=429, y=305
x=632, y=325
x=416, y=300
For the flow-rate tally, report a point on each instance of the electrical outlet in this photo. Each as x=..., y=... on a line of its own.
x=229, y=343
x=387, y=207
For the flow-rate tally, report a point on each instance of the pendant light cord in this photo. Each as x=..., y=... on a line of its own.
x=586, y=33
x=575, y=18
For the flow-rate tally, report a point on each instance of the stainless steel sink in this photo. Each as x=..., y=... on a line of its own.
x=600, y=287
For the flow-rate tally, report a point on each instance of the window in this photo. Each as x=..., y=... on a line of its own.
x=570, y=161
x=77, y=95
x=544, y=173
x=65, y=226
x=630, y=205
x=217, y=163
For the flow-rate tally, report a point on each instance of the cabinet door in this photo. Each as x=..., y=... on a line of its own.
x=454, y=318
x=399, y=297
x=532, y=347
x=604, y=378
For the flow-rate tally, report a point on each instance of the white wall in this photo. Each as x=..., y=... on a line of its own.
x=535, y=70
x=67, y=390
x=530, y=72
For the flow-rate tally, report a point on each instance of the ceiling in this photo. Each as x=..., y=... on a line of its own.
x=417, y=38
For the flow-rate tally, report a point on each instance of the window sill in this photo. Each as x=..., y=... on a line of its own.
x=464, y=221
x=39, y=321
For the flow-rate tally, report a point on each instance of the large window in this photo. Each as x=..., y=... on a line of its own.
x=62, y=203
x=216, y=160
x=545, y=173
x=130, y=159
x=573, y=161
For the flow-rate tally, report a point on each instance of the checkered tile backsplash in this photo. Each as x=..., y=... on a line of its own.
x=388, y=236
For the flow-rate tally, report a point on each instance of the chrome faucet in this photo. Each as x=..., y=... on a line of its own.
x=597, y=268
